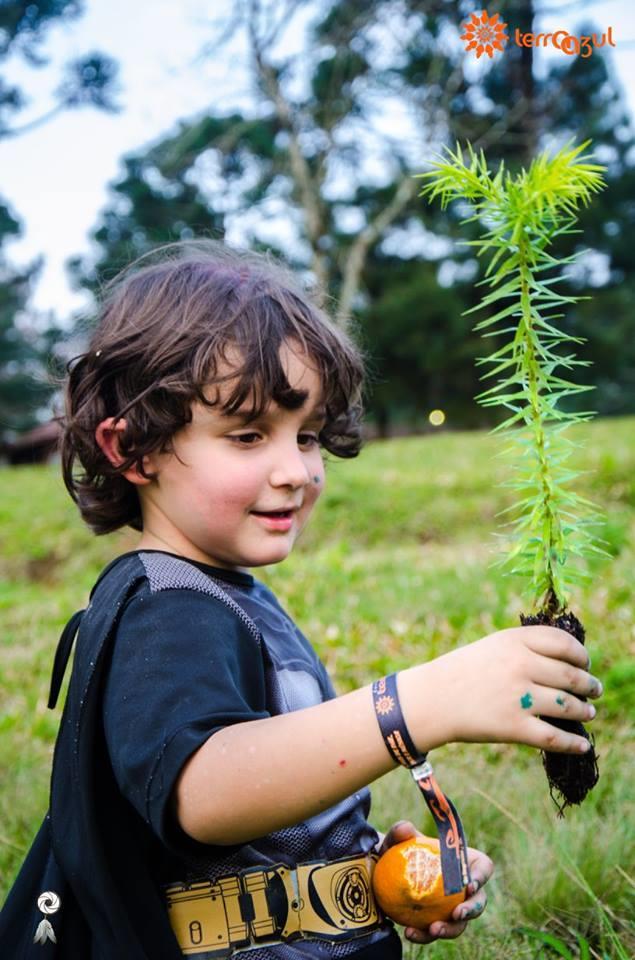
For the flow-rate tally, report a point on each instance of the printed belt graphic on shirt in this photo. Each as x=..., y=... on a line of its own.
x=324, y=900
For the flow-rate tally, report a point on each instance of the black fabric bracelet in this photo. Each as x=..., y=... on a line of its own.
x=393, y=727
x=452, y=844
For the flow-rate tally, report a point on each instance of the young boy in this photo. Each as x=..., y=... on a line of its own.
x=202, y=752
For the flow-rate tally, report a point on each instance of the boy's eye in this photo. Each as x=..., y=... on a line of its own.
x=245, y=438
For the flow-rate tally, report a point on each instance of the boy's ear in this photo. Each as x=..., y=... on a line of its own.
x=107, y=436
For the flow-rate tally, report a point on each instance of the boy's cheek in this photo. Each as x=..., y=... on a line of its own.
x=312, y=494
x=318, y=480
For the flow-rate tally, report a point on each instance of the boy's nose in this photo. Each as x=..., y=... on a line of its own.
x=290, y=470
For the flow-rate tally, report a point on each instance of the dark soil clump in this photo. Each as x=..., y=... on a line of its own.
x=571, y=776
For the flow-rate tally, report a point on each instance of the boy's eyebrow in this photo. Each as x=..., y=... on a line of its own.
x=318, y=412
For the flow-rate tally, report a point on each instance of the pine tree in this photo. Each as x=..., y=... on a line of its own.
x=553, y=526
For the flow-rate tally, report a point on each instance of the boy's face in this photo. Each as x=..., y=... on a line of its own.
x=216, y=497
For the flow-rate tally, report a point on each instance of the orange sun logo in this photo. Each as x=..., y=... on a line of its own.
x=484, y=34
x=384, y=705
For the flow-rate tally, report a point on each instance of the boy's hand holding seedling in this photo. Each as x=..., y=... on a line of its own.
x=495, y=690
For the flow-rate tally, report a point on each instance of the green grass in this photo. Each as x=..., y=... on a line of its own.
x=393, y=569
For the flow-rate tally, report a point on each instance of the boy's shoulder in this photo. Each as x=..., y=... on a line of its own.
x=155, y=572
x=129, y=578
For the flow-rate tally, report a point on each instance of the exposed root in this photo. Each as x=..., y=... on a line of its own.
x=570, y=775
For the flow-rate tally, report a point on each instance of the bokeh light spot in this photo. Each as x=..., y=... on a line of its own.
x=436, y=418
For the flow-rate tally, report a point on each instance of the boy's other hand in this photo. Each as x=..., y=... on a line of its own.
x=481, y=869
x=499, y=688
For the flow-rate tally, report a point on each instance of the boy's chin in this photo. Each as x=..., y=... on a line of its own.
x=266, y=557
x=270, y=559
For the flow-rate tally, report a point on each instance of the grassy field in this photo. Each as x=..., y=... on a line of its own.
x=393, y=569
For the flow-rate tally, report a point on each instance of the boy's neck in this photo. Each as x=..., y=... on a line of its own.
x=149, y=541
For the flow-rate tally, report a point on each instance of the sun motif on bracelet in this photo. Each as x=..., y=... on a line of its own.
x=384, y=705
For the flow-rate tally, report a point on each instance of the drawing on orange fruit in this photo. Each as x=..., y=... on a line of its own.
x=408, y=884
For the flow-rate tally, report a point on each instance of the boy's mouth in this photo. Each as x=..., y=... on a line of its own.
x=276, y=521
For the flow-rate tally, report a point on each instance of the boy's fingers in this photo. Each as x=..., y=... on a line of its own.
x=470, y=909
x=557, y=703
x=556, y=644
x=545, y=736
x=481, y=869
x=438, y=931
x=402, y=830
x=418, y=936
x=447, y=929
x=564, y=676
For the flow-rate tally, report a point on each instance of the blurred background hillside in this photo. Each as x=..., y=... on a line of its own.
x=297, y=126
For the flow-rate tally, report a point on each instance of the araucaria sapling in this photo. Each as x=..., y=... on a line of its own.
x=552, y=525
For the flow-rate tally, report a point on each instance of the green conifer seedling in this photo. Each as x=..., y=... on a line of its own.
x=552, y=525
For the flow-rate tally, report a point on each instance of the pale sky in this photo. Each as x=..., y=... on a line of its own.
x=56, y=177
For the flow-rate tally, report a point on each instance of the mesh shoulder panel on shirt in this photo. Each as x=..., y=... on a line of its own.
x=169, y=573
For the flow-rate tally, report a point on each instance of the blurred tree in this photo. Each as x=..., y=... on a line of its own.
x=586, y=101
x=319, y=148
x=88, y=81
x=17, y=354
x=25, y=343
x=328, y=150
x=425, y=355
x=147, y=209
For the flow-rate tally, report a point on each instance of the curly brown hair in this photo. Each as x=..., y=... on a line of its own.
x=166, y=326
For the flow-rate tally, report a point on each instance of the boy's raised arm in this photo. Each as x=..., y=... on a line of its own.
x=252, y=778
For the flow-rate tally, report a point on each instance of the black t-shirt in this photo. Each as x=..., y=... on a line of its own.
x=184, y=665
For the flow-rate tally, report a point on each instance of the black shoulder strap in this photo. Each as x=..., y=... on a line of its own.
x=65, y=643
x=63, y=652
x=163, y=571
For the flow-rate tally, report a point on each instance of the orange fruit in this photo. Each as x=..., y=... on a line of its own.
x=408, y=884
